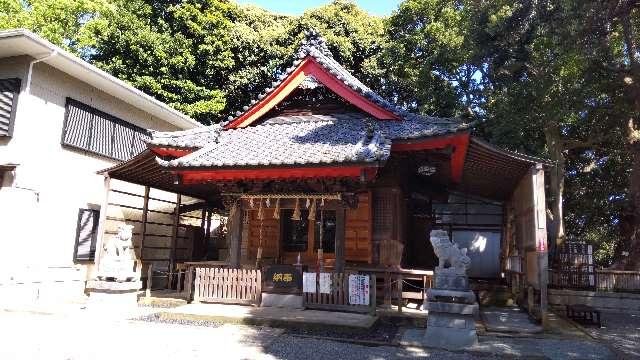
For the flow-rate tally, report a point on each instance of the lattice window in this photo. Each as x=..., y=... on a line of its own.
x=9, y=90
x=383, y=214
x=95, y=131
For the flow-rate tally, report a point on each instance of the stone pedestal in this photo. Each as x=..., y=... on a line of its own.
x=291, y=301
x=452, y=306
x=113, y=293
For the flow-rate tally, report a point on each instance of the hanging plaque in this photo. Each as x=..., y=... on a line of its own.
x=282, y=279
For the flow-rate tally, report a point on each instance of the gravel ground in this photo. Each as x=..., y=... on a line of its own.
x=155, y=318
x=621, y=332
x=384, y=331
x=100, y=335
x=288, y=347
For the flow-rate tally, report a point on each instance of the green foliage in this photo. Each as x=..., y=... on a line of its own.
x=545, y=77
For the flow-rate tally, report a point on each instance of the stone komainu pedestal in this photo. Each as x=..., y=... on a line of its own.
x=118, y=280
x=452, y=306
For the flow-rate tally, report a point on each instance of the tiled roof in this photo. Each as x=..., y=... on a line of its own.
x=192, y=138
x=310, y=139
x=315, y=46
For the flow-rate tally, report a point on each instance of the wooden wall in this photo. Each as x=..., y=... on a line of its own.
x=358, y=228
x=357, y=237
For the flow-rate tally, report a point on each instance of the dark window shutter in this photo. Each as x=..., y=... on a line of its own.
x=97, y=132
x=86, y=235
x=9, y=90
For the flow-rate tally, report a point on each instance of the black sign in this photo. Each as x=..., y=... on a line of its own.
x=282, y=279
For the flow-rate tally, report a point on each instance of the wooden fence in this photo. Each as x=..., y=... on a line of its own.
x=231, y=286
x=338, y=298
x=595, y=279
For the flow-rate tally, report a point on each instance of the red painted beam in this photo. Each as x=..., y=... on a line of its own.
x=162, y=151
x=310, y=67
x=201, y=176
x=459, y=142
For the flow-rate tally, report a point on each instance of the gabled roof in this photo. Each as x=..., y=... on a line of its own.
x=17, y=42
x=315, y=60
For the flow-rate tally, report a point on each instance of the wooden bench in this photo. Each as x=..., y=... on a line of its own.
x=584, y=314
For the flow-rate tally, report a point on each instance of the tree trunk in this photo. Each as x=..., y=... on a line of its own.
x=556, y=184
x=627, y=255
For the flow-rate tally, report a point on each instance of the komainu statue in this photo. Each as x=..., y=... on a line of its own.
x=117, y=259
x=449, y=255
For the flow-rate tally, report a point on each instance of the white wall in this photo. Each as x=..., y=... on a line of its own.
x=39, y=203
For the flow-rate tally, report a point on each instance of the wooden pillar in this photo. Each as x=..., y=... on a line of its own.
x=102, y=224
x=340, y=235
x=145, y=211
x=540, y=236
x=234, y=234
x=174, y=240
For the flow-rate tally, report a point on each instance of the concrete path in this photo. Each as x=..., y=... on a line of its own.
x=508, y=320
x=240, y=314
x=539, y=348
x=621, y=332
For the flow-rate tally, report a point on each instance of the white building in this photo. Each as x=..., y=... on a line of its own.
x=61, y=120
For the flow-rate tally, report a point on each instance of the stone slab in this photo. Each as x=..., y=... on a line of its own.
x=449, y=281
x=273, y=316
x=282, y=300
x=451, y=332
x=101, y=285
x=452, y=308
x=464, y=296
x=509, y=320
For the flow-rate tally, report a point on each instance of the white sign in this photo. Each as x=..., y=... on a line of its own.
x=309, y=282
x=325, y=283
x=359, y=289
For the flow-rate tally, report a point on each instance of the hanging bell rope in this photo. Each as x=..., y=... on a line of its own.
x=276, y=211
x=260, y=211
x=321, y=247
x=259, y=253
x=296, y=211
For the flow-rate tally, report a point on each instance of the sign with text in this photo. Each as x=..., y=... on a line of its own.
x=359, y=289
x=282, y=279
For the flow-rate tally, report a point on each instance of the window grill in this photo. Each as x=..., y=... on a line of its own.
x=100, y=133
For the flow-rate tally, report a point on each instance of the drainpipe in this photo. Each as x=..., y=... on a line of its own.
x=27, y=89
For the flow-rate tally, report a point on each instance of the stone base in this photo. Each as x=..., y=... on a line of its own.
x=110, y=292
x=466, y=297
x=451, y=332
x=452, y=308
x=282, y=300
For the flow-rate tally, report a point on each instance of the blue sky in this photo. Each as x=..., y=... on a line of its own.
x=297, y=7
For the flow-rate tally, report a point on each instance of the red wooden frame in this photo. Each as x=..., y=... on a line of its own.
x=200, y=176
x=165, y=151
x=459, y=142
x=310, y=67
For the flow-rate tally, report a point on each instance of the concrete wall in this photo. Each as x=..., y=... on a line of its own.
x=604, y=301
x=39, y=202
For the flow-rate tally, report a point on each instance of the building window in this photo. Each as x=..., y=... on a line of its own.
x=295, y=233
x=86, y=235
x=9, y=90
x=327, y=221
x=95, y=131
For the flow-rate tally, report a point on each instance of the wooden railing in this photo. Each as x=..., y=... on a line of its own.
x=598, y=279
x=338, y=298
x=397, y=285
x=222, y=285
